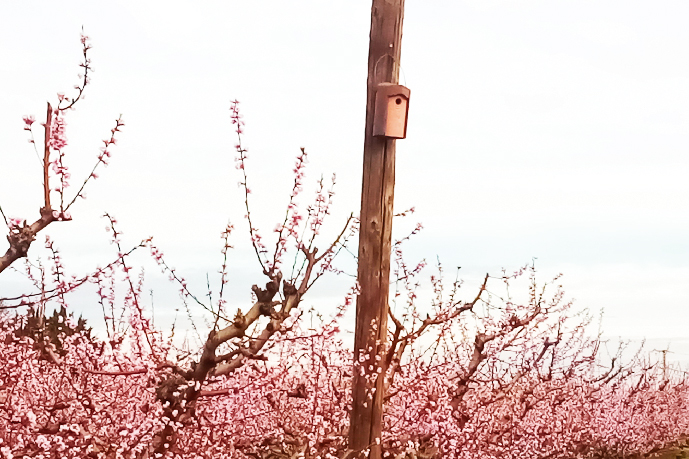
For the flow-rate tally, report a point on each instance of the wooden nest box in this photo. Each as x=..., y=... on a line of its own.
x=391, y=110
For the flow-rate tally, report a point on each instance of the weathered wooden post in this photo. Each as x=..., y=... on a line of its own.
x=387, y=104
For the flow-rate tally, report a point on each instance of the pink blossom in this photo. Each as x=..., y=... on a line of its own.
x=14, y=223
x=58, y=140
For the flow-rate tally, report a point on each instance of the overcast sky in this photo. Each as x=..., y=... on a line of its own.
x=537, y=129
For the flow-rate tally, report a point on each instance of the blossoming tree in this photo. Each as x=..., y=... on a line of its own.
x=494, y=375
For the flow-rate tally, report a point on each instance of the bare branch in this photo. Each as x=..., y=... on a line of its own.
x=46, y=159
x=26, y=299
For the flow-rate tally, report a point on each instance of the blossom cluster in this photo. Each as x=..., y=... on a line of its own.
x=536, y=391
x=492, y=376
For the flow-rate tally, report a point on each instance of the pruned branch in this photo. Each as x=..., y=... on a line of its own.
x=182, y=406
x=399, y=343
x=20, y=238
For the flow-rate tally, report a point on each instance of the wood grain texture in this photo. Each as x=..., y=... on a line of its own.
x=375, y=235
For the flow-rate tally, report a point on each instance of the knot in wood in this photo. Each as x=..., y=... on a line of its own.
x=266, y=309
x=266, y=295
x=239, y=320
x=20, y=239
x=288, y=289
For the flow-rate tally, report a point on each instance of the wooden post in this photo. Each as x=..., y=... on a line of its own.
x=664, y=351
x=375, y=235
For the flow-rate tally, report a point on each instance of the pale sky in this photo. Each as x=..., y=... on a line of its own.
x=537, y=129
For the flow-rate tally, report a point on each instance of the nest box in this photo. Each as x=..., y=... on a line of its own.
x=391, y=110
